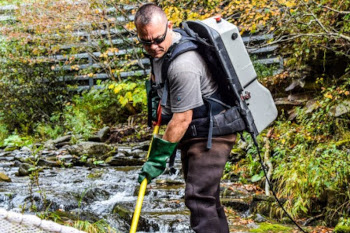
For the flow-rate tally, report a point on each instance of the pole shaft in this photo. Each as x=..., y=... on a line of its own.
x=143, y=186
x=138, y=207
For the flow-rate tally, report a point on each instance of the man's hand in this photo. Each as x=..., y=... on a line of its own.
x=160, y=151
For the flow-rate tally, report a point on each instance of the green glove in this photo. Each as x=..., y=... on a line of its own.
x=159, y=153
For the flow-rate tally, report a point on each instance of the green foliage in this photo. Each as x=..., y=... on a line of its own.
x=99, y=226
x=15, y=141
x=30, y=90
x=268, y=227
x=318, y=36
x=130, y=93
x=263, y=70
x=4, y=133
x=342, y=229
x=8, y=2
x=66, y=218
x=49, y=130
x=310, y=156
x=107, y=104
x=343, y=226
x=78, y=121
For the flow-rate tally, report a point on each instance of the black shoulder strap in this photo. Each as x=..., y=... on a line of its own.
x=185, y=44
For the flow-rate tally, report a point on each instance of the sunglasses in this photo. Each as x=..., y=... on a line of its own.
x=156, y=41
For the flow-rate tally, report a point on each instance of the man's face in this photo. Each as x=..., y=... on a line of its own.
x=155, y=37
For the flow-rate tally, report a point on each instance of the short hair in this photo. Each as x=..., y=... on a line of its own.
x=146, y=13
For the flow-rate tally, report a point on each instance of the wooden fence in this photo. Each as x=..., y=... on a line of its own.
x=87, y=68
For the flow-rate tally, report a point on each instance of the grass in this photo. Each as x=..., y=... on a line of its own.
x=268, y=227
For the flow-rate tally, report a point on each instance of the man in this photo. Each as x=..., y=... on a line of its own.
x=189, y=81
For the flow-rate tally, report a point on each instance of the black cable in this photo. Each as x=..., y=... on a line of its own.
x=271, y=186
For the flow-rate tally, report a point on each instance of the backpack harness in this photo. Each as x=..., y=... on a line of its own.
x=214, y=124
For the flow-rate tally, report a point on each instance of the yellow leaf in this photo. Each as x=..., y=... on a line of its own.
x=290, y=4
x=123, y=101
x=328, y=95
x=117, y=89
x=130, y=26
x=128, y=95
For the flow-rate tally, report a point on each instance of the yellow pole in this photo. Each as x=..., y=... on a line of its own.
x=143, y=186
x=135, y=218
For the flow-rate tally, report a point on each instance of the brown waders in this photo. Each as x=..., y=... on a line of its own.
x=203, y=170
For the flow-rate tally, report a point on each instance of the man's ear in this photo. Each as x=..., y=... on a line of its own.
x=170, y=25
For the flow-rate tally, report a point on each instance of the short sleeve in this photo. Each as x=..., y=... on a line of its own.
x=185, y=91
x=188, y=81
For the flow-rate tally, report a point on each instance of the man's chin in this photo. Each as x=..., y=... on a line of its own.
x=157, y=54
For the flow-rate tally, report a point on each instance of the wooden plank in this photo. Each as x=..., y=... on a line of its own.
x=4, y=18
x=270, y=61
x=95, y=54
x=104, y=76
x=267, y=49
x=96, y=44
x=256, y=38
x=140, y=62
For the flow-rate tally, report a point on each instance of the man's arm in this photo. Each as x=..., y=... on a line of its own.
x=177, y=126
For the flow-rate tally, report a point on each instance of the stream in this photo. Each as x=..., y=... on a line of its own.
x=94, y=188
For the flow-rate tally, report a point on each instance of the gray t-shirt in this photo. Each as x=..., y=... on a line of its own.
x=189, y=80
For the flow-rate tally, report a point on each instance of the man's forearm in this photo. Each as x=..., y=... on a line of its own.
x=177, y=126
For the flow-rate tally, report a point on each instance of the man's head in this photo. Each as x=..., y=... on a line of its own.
x=153, y=29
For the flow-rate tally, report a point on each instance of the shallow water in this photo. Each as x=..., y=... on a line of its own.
x=104, y=192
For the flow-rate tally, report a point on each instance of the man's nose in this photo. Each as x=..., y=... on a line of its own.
x=154, y=46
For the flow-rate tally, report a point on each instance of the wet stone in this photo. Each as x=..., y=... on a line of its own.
x=43, y=162
x=237, y=204
x=95, y=194
x=26, y=149
x=259, y=218
x=67, y=158
x=6, y=164
x=122, y=212
x=262, y=197
x=90, y=148
x=143, y=146
x=5, y=153
x=4, y=177
x=23, y=169
x=7, y=158
x=21, y=154
x=58, y=142
x=127, y=151
x=123, y=161
x=102, y=135
x=137, y=153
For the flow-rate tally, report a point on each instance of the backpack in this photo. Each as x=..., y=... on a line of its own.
x=220, y=45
